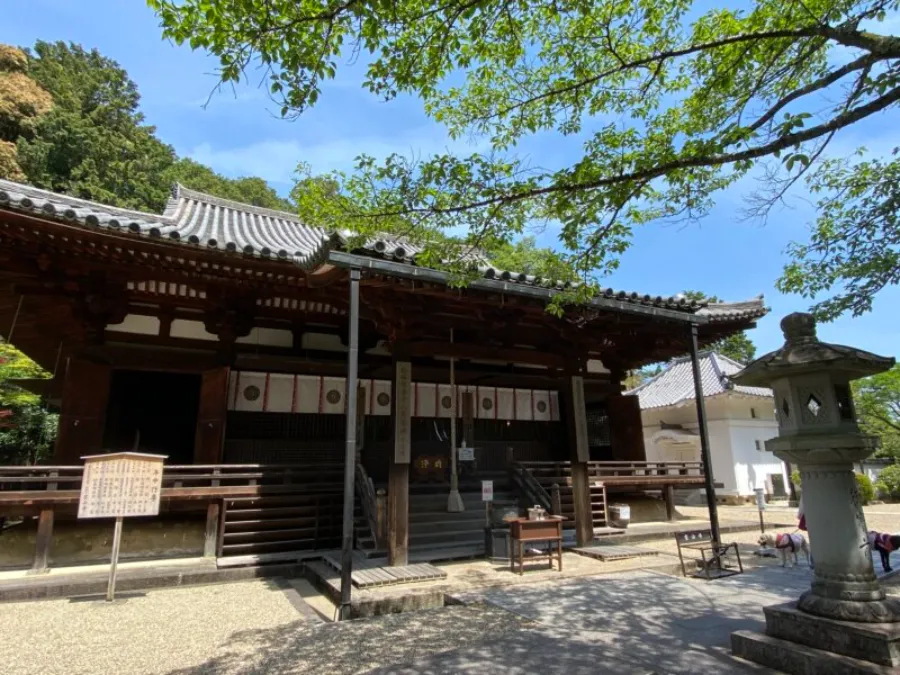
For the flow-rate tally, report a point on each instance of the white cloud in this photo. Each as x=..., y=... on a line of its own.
x=275, y=160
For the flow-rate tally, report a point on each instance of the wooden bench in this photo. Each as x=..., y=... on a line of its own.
x=714, y=561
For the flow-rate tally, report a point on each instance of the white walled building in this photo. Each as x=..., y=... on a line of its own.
x=740, y=421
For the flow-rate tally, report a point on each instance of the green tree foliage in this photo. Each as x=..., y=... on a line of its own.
x=94, y=143
x=22, y=103
x=674, y=100
x=877, y=403
x=70, y=121
x=249, y=190
x=27, y=435
x=738, y=347
x=855, y=244
x=524, y=255
x=866, y=488
x=888, y=482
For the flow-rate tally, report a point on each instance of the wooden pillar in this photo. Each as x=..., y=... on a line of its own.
x=211, y=540
x=42, y=542
x=209, y=439
x=669, y=494
x=83, y=415
x=398, y=476
x=580, y=454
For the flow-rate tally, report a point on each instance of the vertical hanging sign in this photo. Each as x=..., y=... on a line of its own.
x=402, y=411
x=119, y=485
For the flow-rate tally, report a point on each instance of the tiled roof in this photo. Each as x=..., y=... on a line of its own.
x=196, y=219
x=238, y=228
x=734, y=311
x=675, y=384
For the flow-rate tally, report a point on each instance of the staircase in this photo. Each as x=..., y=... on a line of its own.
x=546, y=475
x=302, y=513
x=436, y=534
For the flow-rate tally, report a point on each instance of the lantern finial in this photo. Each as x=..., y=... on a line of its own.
x=798, y=328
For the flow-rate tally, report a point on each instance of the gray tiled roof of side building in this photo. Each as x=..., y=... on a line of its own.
x=675, y=384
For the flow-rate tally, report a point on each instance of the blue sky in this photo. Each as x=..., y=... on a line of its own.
x=240, y=134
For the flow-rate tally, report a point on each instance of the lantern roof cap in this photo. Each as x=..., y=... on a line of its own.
x=804, y=353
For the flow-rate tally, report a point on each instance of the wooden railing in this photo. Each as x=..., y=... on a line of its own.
x=620, y=473
x=47, y=490
x=40, y=485
x=365, y=489
x=529, y=487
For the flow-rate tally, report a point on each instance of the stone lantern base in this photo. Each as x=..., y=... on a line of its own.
x=801, y=643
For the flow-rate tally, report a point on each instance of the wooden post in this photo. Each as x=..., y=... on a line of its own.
x=42, y=542
x=398, y=477
x=556, y=500
x=398, y=515
x=669, y=494
x=381, y=505
x=581, y=489
x=114, y=563
x=210, y=542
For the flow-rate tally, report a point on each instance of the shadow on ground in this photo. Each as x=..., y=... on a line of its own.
x=636, y=623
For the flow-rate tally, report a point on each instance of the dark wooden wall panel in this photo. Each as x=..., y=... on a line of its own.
x=83, y=414
x=626, y=428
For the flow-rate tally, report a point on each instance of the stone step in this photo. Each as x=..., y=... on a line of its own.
x=797, y=659
x=878, y=643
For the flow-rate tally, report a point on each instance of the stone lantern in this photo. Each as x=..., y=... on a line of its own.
x=819, y=434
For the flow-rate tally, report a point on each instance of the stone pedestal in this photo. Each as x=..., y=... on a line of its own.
x=845, y=587
x=797, y=642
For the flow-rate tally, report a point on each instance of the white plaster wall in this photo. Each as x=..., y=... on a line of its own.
x=752, y=466
x=733, y=430
x=136, y=323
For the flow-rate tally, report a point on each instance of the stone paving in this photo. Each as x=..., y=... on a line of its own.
x=629, y=624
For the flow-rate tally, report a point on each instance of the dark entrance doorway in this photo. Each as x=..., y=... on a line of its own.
x=161, y=406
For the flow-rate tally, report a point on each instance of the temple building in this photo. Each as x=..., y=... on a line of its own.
x=219, y=335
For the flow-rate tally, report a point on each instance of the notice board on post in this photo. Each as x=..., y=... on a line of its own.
x=121, y=485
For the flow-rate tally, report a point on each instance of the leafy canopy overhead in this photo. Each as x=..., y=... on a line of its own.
x=877, y=402
x=855, y=244
x=671, y=100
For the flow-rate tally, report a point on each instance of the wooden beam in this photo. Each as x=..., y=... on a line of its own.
x=481, y=352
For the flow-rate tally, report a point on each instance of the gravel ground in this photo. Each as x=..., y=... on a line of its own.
x=246, y=628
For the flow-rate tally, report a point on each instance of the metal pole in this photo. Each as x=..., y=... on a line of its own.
x=704, y=441
x=114, y=563
x=350, y=450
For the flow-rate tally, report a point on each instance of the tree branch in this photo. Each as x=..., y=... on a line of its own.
x=838, y=122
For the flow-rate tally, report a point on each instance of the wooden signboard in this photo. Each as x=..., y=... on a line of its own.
x=121, y=484
x=117, y=485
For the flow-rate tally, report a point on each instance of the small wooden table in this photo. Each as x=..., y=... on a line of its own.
x=523, y=530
